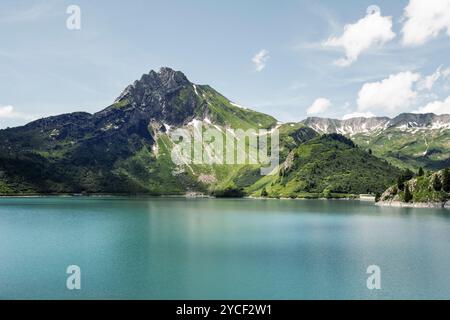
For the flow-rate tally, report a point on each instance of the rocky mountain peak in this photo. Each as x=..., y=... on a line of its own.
x=170, y=77
x=166, y=96
x=166, y=80
x=417, y=120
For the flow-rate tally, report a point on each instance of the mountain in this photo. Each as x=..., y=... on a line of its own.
x=409, y=140
x=127, y=148
x=114, y=150
x=406, y=121
x=347, y=127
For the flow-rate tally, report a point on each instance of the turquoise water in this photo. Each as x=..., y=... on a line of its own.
x=174, y=248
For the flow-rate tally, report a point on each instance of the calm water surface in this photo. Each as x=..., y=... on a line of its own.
x=174, y=248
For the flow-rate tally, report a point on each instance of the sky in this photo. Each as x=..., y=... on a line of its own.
x=291, y=59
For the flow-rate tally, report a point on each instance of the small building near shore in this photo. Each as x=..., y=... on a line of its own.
x=367, y=197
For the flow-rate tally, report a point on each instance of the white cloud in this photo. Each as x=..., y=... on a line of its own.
x=319, y=106
x=424, y=20
x=399, y=92
x=390, y=95
x=437, y=107
x=446, y=73
x=32, y=13
x=8, y=112
x=358, y=115
x=372, y=30
x=260, y=59
x=428, y=82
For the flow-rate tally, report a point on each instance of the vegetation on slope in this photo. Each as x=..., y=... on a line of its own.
x=420, y=188
x=236, y=179
x=224, y=113
x=327, y=166
x=407, y=149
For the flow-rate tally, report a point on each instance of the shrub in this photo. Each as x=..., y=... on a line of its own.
x=377, y=196
x=264, y=192
x=229, y=192
x=408, y=195
x=326, y=194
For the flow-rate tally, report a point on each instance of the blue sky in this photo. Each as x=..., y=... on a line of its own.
x=316, y=58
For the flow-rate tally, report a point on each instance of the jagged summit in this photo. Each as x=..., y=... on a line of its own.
x=168, y=97
x=166, y=78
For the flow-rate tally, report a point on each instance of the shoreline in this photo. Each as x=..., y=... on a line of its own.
x=187, y=196
x=393, y=204
x=422, y=205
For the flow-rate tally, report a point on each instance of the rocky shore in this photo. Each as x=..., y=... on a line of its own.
x=401, y=204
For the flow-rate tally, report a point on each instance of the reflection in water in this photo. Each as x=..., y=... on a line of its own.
x=179, y=248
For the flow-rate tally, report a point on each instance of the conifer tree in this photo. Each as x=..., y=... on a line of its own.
x=437, y=184
x=420, y=172
x=446, y=180
x=408, y=195
x=264, y=192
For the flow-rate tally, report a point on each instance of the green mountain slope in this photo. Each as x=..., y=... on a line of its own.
x=410, y=148
x=243, y=177
x=330, y=165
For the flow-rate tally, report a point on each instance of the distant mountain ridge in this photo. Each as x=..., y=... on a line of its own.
x=353, y=126
x=408, y=140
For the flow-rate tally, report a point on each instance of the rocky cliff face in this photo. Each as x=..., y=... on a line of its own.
x=167, y=96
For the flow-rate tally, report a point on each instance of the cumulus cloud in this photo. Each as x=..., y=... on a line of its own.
x=8, y=112
x=437, y=107
x=446, y=73
x=428, y=82
x=319, y=106
x=358, y=115
x=399, y=92
x=260, y=60
x=372, y=30
x=425, y=20
x=390, y=95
